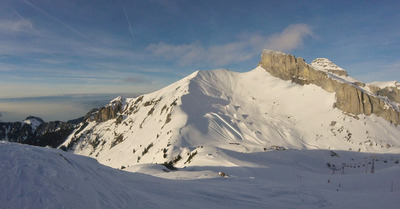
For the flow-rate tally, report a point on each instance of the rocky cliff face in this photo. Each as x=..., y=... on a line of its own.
x=108, y=112
x=351, y=97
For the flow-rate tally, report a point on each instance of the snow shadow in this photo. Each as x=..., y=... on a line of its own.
x=196, y=104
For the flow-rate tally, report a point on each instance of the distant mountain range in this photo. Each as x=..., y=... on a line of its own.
x=34, y=131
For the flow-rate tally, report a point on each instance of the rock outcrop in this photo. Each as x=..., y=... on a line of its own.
x=108, y=112
x=351, y=98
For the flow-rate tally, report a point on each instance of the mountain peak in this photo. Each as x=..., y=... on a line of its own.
x=326, y=65
x=40, y=120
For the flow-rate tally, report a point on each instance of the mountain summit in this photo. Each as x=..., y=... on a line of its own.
x=284, y=103
x=326, y=65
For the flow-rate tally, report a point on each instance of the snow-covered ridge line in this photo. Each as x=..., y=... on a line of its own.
x=257, y=112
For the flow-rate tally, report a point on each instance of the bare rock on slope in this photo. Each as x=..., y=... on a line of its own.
x=109, y=112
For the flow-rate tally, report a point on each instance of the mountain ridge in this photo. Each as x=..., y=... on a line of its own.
x=34, y=131
x=281, y=104
x=197, y=117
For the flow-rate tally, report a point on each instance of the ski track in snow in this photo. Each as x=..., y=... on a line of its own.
x=223, y=125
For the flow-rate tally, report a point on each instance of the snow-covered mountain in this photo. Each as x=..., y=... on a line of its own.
x=284, y=103
x=283, y=135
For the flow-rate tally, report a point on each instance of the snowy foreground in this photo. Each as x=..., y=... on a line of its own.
x=33, y=177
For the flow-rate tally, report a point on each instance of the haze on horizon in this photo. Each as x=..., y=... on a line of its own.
x=54, y=108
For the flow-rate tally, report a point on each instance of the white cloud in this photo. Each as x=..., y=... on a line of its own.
x=290, y=38
x=248, y=46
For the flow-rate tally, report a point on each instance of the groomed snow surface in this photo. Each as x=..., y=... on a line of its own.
x=33, y=177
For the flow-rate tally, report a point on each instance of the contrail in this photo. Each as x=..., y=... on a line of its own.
x=129, y=23
x=23, y=19
x=57, y=20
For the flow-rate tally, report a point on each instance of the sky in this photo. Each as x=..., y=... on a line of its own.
x=50, y=48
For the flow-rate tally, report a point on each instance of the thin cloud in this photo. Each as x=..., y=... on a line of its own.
x=135, y=80
x=14, y=26
x=195, y=53
x=57, y=20
x=290, y=38
x=248, y=46
x=28, y=23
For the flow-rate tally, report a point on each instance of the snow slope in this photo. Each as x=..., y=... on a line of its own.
x=34, y=177
x=242, y=112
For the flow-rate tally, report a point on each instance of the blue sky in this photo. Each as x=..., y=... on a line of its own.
x=125, y=46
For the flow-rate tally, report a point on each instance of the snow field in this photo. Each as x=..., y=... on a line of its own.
x=33, y=177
